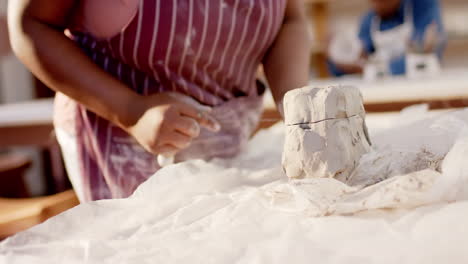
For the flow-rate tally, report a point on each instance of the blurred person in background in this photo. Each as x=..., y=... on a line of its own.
x=140, y=78
x=392, y=29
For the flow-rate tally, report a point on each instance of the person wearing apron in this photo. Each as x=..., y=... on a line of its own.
x=140, y=78
x=390, y=29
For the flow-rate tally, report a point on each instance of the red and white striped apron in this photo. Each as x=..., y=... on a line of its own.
x=209, y=50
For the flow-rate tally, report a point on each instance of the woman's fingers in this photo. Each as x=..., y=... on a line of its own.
x=201, y=116
x=187, y=126
x=166, y=150
x=189, y=107
x=177, y=140
x=209, y=122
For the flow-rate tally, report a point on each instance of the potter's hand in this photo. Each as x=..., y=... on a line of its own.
x=166, y=123
x=431, y=38
x=429, y=42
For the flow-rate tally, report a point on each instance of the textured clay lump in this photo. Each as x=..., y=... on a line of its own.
x=326, y=134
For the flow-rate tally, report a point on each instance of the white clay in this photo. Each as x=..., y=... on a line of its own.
x=326, y=133
x=385, y=163
x=309, y=104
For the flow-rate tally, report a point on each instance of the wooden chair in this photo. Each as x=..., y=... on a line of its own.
x=27, y=124
x=20, y=214
x=31, y=124
x=12, y=170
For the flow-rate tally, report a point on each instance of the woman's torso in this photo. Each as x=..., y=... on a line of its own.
x=206, y=49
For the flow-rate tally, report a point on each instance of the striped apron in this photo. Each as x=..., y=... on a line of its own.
x=208, y=50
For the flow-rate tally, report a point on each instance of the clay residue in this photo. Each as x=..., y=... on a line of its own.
x=382, y=164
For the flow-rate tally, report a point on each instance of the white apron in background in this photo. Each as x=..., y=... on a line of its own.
x=392, y=43
x=389, y=45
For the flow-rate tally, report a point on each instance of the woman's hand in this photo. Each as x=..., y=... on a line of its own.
x=166, y=123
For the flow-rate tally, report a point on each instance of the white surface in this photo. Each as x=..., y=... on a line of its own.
x=27, y=113
x=245, y=211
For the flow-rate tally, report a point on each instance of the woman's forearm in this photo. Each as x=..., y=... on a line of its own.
x=288, y=62
x=62, y=66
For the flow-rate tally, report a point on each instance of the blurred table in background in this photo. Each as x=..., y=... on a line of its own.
x=13, y=167
x=20, y=214
x=26, y=123
x=448, y=90
x=31, y=124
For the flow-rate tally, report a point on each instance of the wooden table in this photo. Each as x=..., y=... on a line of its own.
x=20, y=214
x=31, y=124
x=27, y=123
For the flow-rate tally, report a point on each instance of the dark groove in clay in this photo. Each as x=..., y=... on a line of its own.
x=327, y=119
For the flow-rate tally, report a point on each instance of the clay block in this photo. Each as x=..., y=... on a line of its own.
x=326, y=134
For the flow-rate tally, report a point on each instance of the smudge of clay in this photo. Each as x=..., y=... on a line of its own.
x=384, y=163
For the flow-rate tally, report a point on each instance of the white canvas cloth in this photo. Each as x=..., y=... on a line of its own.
x=244, y=210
